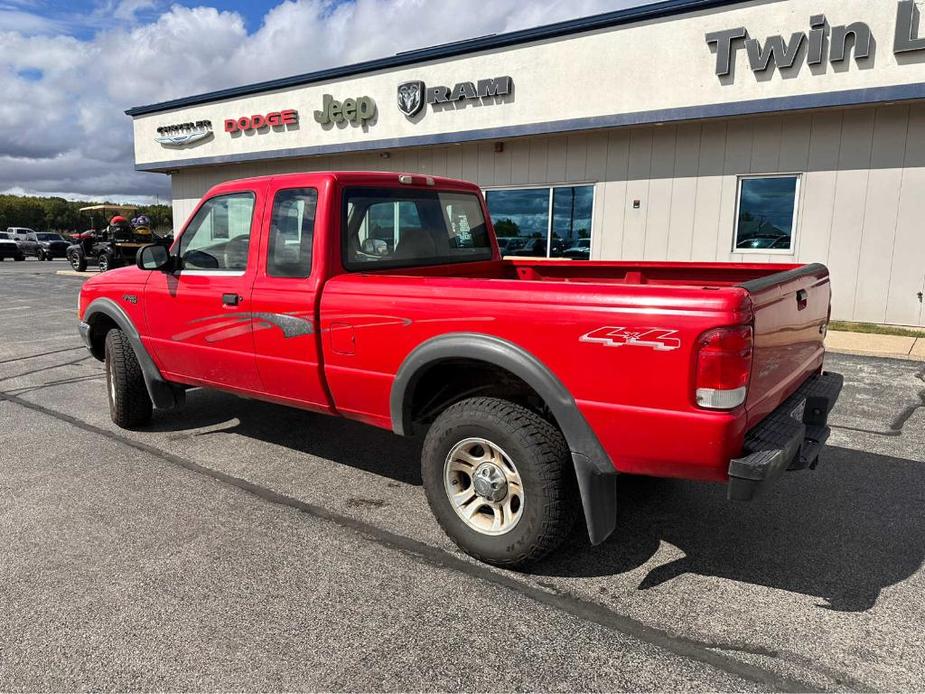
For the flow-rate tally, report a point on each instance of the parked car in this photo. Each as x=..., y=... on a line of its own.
x=9, y=248
x=531, y=382
x=509, y=244
x=772, y=242
x=50, y=245
x=580, y=251
x=25, y=239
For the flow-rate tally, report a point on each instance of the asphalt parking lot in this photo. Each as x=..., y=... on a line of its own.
x=240, y=545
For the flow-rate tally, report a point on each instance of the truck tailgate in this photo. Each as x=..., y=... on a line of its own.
x=791, y=313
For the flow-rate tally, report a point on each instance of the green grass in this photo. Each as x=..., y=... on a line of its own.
x=873, y=328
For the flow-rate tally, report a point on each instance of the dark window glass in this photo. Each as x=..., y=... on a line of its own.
x=520, y=219
x=571, y=222
x=388, y=227
x=292, y=227
x=218, y=237
x=767, y=211
x=524, y=227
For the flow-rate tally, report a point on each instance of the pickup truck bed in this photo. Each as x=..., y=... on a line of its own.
x=689, y=370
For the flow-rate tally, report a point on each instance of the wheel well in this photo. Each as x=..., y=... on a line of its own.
x=100, y=325
x=449, y=381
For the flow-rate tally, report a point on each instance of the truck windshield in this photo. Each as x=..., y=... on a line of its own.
x=50, y=237
x=393, y=227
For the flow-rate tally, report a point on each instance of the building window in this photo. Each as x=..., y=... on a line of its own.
x=766, y=217
x=552, y=222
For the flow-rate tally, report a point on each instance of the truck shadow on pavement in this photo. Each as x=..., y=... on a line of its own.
x=842, y=533
x=342, y=441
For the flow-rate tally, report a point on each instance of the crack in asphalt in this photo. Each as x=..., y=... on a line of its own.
x=586, y=610
x=899, y=422
x=46, y=368
x=41, y=354
x=60, y=382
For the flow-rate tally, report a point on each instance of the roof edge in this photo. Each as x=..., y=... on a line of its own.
x=659, y=10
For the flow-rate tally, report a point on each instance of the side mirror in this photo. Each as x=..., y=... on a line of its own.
x=154, y=257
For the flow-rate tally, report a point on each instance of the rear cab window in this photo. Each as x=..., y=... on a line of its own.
x=292, y=229
x=395, y=228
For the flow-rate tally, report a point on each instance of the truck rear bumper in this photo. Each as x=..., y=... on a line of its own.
x=790, y=438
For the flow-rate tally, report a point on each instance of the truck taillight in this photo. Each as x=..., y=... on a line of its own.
x=724, y=365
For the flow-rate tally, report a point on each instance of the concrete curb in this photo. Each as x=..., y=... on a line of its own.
x=872, y=345
x=73, y=273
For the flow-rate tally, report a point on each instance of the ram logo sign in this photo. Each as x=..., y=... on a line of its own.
x=659, y=339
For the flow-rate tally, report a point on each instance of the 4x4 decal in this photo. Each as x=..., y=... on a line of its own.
x=659, y=339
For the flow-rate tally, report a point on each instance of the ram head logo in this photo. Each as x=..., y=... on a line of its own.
x=411, y=97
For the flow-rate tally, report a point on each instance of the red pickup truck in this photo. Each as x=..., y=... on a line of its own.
x=383, y=298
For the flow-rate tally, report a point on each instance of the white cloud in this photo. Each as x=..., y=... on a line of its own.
x=63, y=97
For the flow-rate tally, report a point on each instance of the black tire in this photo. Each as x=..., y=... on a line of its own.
x=40, y=254
x=104, y=262
x=19, y=258
x=77, y=260
x=129, y=404
x=541, y=457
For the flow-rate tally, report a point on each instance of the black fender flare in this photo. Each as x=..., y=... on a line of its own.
x=593, y=467
x=164, y=394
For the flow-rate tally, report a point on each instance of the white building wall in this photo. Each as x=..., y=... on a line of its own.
x=862, y=199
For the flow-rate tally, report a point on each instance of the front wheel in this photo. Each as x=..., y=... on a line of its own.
x=40, y=254
x=104, y=262
x=129, y=403
x=19, y=258
x=77, y=260
x=499, y=479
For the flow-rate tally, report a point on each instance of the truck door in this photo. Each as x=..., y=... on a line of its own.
x=199, y=318
x=286, y=292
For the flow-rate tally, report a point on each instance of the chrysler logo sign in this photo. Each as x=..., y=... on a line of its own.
x=414, y=95
x=183, y=133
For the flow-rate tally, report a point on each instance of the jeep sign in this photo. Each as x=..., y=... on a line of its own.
x=355, y=111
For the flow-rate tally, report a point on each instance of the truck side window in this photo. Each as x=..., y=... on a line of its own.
x=218, y=237
x=292, y=227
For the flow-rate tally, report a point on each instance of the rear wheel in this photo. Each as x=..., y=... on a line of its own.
x=129, y=403
x=19, y=258
x=104, y=262
x=77, y=260
x=498, y=478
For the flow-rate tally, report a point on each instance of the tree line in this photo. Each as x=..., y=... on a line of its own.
x=58, y=214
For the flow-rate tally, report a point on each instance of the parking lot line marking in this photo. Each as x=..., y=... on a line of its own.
x=586, y=610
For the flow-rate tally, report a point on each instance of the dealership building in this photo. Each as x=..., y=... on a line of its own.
x=702, y=130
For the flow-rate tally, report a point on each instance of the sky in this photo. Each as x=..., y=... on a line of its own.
x=70, y=68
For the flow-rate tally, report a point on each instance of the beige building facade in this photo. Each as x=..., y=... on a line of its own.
x=706, y=130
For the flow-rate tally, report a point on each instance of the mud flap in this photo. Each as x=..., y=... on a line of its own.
x=598, y=498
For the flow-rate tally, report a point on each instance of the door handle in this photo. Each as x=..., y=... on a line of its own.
x=232, y=299
x=802, y=299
